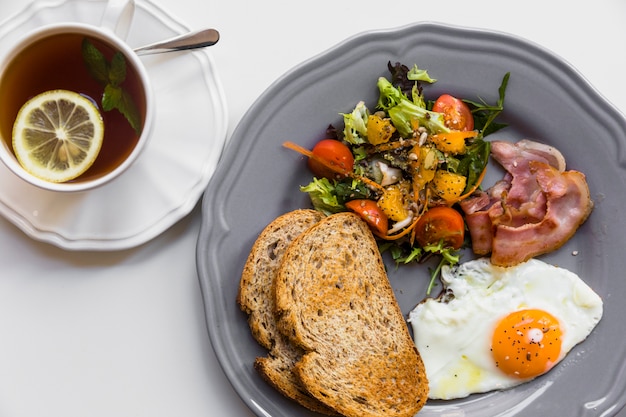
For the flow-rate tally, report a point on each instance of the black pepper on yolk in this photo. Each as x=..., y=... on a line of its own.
x=527, y=343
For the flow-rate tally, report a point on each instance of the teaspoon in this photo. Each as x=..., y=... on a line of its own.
x=192, y=40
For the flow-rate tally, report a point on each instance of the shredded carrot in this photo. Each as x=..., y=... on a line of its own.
x=298, y=148
x=335, y=168
x=401, y=233
x=390, y=146
x=370, y=183
x=424, y=209
x=304, y=151
x=416, y=196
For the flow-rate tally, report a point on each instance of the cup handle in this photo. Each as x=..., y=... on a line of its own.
x=118, y=16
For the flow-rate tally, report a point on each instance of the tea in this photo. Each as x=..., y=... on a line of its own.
x=56, y=62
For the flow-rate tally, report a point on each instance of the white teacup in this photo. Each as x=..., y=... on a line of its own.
x=50, y=58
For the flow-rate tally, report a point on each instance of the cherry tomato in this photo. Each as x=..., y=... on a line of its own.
x=440, y=223
x=336, y=153
x=371, y=213
x=457, y=115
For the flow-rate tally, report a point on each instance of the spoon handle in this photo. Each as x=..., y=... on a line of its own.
x=192, y=40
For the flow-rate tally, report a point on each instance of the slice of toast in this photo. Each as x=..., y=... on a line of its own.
x=334, y=300
x=256, y=298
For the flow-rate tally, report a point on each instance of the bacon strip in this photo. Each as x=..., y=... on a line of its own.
x=568, y=206
x=533, y=210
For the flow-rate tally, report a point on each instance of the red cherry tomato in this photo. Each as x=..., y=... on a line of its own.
x=457, y=115
x=371, y=213
x=440, y=223
x=336, y=154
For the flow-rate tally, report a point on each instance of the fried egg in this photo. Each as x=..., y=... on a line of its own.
x=494, y=327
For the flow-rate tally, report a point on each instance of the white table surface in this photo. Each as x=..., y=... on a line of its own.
x=123, y=333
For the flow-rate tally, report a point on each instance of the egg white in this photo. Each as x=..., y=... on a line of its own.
x=453, y=332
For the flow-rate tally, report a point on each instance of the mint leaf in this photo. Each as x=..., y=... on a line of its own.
x=95, y=61
x=117, y=70
x=111, y=97
x=127, y=107
x=112, y=75
x=118, y=98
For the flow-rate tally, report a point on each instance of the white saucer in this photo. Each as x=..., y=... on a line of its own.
x=167, y=180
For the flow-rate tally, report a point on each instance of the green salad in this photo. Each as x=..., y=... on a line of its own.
x=404, y=163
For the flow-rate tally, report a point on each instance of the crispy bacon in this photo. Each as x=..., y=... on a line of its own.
x=533, y=210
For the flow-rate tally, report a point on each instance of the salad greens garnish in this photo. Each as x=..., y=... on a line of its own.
x=404, y=112
x=485, y=114
x=356, y=124
x=417, y=74
x=407, y=159
x=329, y=196
x=111, y=75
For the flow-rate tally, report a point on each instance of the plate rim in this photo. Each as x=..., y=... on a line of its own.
x=214, y=227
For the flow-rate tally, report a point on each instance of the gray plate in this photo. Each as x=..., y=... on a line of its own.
x=547, y=100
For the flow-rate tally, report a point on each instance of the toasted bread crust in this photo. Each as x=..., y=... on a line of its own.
x=334, y=301
x=256, y=293
x=277, y=369
x=256, y=298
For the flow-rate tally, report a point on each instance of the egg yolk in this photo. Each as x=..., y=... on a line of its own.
x=527, y=343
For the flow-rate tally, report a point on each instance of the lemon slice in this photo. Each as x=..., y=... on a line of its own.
x=57, y=135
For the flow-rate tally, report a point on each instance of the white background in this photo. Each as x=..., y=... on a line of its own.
x=123, y=333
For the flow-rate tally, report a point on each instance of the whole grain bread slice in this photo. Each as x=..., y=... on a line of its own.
x=256, y=298
x=334, y=300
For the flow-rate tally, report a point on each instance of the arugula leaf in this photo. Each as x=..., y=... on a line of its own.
x=404, y=254
x=477, y=156
x=350, y=190
x=485, y=114
x=474, y=162
x=400, y=255
x=448, y=257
